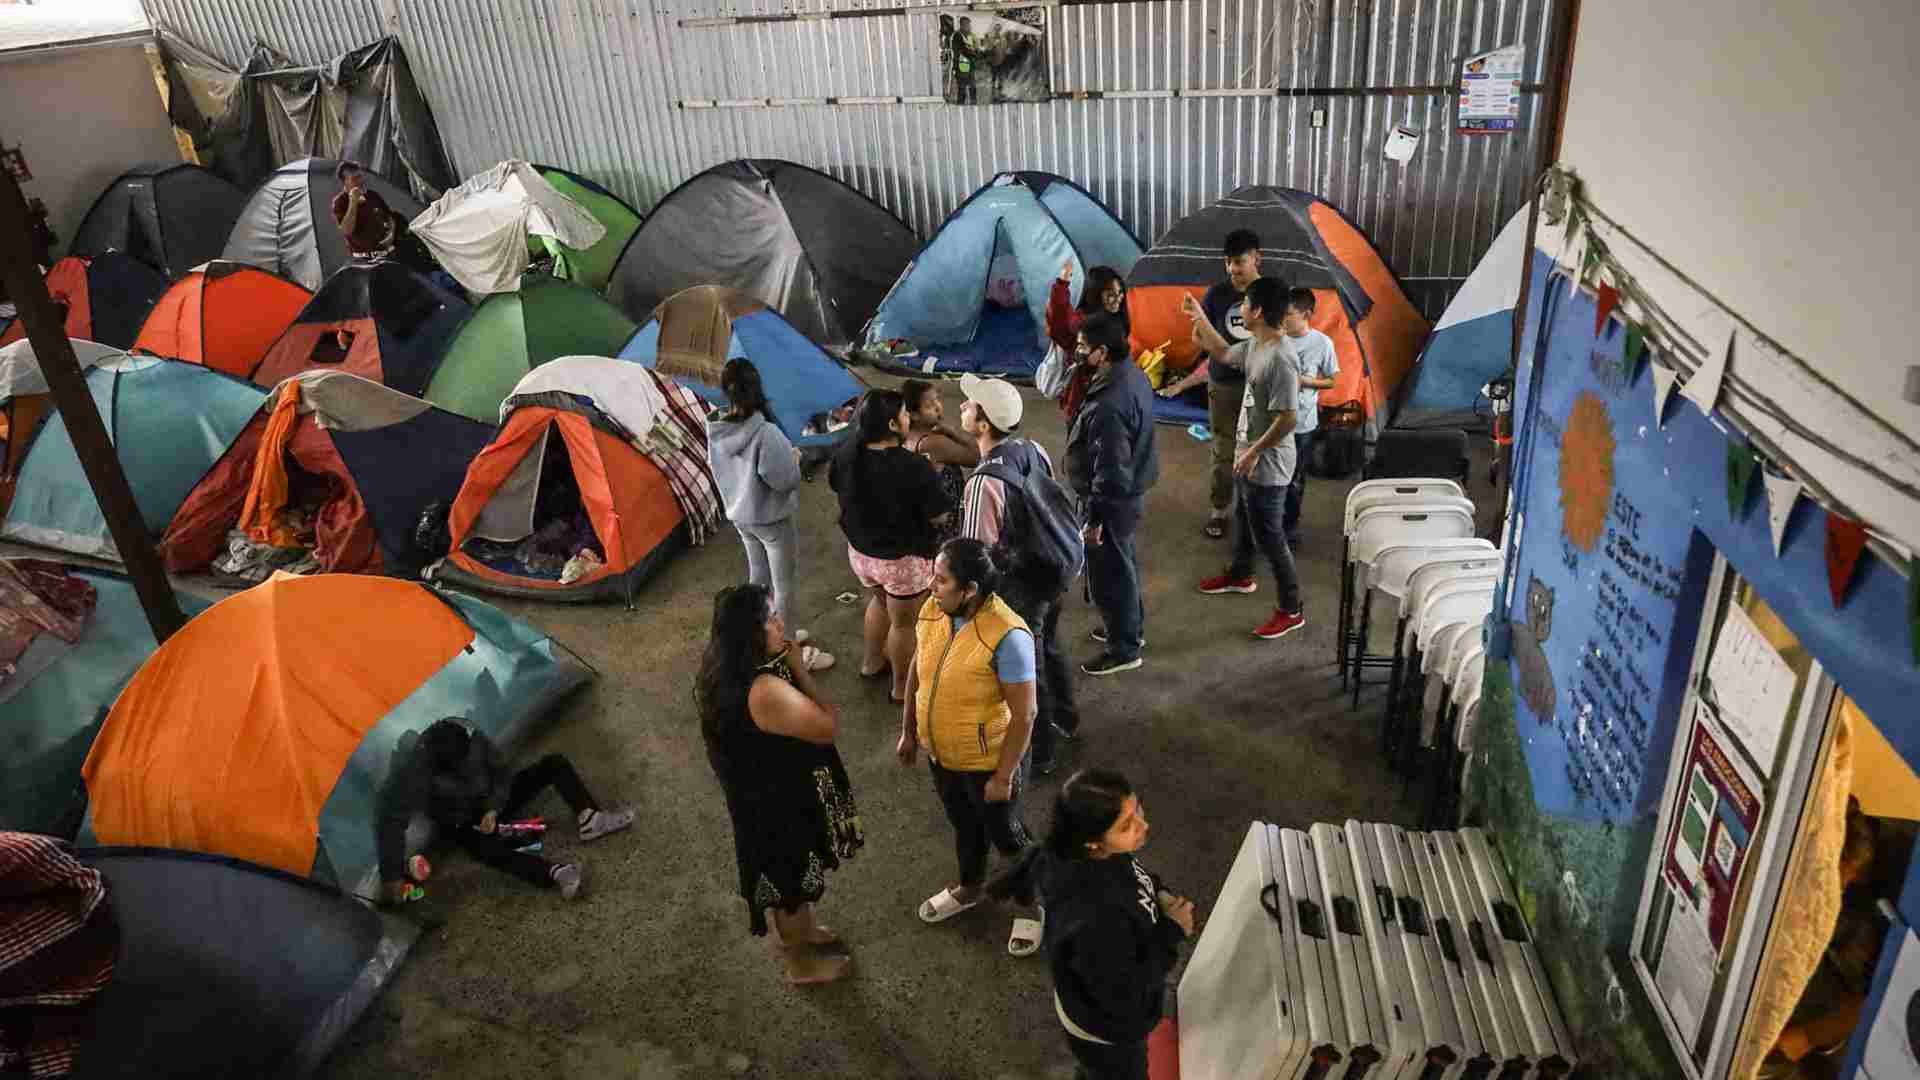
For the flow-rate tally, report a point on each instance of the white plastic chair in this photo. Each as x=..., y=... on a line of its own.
x=1390, y=571
x=1373, y=530
x=1453, y=737
x=1368, y=493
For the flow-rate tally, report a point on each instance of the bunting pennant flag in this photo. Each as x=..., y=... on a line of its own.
x=1703, y=388
x=1741, y=462
x=1636, y=344
x=1663, y=377
x=1783, y=493
x=1609, y=299
x=1845, y=540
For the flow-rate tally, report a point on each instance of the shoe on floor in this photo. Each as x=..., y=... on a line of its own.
x=1109, y=664
x=1215, y=529
x=570, y=877
x=1280, y=625
x=1068, y=734
x=604, y=822
x=815, y=658
x=1100, y=635
x=1215, y=586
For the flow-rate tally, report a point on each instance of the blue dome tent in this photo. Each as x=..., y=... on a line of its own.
x=975, y=298
x=693, y=334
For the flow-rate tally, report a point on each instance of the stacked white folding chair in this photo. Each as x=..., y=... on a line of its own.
x=1452, y=741
x=1391, y=571
x=1443, y=601
x=1455, y=562
x=1381, y=527
x=1363, y=496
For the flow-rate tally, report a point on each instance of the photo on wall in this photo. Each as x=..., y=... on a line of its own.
x=990, y=59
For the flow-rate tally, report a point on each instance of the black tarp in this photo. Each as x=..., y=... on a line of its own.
x=173, y=217
x=228, y=969
x=362, y=104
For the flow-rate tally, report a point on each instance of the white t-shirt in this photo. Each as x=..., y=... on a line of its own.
x=1314, y=355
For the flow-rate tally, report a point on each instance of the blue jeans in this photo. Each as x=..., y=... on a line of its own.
x=1296, y=491
x=1113, y=576
x=1257, y=513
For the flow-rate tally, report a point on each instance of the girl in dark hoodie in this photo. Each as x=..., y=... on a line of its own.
x=1112, y=930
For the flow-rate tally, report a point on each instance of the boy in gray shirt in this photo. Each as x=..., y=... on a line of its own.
x=1264, y=454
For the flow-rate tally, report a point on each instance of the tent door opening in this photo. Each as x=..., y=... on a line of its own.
x=554, y=538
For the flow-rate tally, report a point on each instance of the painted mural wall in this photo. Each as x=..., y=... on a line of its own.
x=1616, y=521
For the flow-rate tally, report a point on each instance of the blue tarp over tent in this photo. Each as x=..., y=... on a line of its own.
x=800, y=378
x=169, y=421
x=1030, y=223
x=1472, y=343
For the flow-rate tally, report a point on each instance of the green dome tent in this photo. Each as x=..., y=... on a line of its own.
x=510, y=334
x=593, y=266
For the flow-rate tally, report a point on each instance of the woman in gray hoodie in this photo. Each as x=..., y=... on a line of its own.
x=758, y=473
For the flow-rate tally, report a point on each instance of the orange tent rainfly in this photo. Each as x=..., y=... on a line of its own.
x=563, y=505
x=265, y=728
x=105, y=297
x=1304, y=242
x=223, y=315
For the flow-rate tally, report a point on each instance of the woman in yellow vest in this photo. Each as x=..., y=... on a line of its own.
x=971, y=704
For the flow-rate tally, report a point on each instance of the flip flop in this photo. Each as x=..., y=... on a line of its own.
x=1025, y=939
x=815, y=658
x=1216, y=528
x=942, y=906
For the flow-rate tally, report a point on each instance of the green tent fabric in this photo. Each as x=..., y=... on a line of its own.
x=593, y=266
x=169, y=421
x=510, y=334
x=52, y=706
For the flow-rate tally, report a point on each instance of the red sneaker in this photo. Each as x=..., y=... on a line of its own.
x=1215, y=586
x=1280, y=625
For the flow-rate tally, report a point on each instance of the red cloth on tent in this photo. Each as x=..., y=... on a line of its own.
x=39, y=597
x=58, y=940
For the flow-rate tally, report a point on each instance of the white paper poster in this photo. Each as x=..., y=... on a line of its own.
x=1893, y=1047
x=1402, y=141
x=1752, y=686
x=1490, y=92
x=1686, y=972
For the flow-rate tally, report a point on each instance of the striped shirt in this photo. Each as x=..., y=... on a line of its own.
x=983, y=505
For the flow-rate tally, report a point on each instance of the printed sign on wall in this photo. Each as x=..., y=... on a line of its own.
x=1490, y=92
x=991, y=59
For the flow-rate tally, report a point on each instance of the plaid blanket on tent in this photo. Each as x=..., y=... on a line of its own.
x=58, y=940
x=678, y=445
x=36, y=597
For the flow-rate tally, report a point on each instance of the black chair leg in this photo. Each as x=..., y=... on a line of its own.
x=1360, y=646
x=1394, y=677
x=1346, y=615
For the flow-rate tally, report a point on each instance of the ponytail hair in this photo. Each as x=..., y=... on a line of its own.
x=970, y=562
x=1087, y=806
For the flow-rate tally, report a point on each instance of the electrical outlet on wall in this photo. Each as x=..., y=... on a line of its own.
x=1319, y=118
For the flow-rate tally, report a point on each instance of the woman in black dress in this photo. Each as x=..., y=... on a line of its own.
x=769, y=734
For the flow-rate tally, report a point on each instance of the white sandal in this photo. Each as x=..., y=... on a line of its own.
x=1025, y=939
x=815, y=658
x=942, y=906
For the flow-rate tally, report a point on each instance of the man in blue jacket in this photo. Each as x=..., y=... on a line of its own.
x=1112, y=463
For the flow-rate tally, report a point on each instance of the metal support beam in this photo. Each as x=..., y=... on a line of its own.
x=68, y=388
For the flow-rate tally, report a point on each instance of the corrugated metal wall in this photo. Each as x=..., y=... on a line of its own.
x=594, y=84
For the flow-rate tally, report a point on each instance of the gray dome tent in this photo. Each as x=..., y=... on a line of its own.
x=287, y=225
x=817, y=251
x=173, y=217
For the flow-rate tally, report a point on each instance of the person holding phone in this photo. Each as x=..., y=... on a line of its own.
x=1112, y=929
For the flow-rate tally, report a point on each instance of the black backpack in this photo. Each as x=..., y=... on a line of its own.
x=1039, y=541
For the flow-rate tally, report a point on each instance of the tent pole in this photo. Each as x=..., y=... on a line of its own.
x=68, y=388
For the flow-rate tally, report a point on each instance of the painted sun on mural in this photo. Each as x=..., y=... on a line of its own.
x=1586, y=471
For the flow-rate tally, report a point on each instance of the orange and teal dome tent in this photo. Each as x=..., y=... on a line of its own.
x=265, y=728
x=1305, y=242
x=106, y=298
x=224, y=315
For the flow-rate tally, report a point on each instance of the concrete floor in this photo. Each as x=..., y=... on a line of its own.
x=653, y=972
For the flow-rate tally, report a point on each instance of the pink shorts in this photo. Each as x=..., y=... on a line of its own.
x=907, y=576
